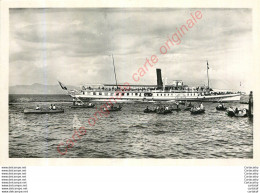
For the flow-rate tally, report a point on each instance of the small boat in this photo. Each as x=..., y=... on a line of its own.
x=83, y=106
x=195, y=111
x=164, y=112
x=42, y=111
x=113, y=108
x=221, y=108
x=149, y=111
x=240, y=113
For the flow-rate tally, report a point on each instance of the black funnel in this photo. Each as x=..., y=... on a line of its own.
x=159, y=79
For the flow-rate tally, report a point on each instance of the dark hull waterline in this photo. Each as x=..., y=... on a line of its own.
x=164, y=112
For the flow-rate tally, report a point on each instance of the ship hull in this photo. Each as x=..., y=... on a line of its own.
x=179, y=97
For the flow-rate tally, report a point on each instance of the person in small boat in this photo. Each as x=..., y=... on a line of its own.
x=114, y=107
x=177, y=104
x=51, y=107
x=236, y=111
x=245, y=112
x=54, y=107
x=147, y=108
x=110, y=106
x=240, y=112
x=221, y=105
x=78, y=103
x=162, y=108
x=190, y=105
x=37, y=107
x=201, y=106
x=166, y=108
x=230, y=109
x=90, y=104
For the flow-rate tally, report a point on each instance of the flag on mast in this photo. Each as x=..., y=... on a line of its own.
x=62, y=86
x=208, y=72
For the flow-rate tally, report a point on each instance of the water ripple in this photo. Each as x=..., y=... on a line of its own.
x=129, y=133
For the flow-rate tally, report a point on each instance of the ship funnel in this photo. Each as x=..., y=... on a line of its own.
x=159, y=79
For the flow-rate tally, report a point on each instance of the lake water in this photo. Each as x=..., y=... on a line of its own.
x=129, y=133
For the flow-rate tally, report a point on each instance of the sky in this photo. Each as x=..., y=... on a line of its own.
x=75, y=46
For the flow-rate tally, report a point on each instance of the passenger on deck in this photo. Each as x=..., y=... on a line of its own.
x=37, y=107
x=54, y=107
x=50, y=107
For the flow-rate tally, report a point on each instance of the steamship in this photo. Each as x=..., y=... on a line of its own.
x=176, y=91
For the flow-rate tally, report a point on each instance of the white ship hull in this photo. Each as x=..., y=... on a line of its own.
x=158, y=96
x=145, y=93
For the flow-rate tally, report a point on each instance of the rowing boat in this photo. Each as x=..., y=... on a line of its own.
x=221, y=108
x=82, y=106
x=149, y=111
x=195, y=111
x=42, y=111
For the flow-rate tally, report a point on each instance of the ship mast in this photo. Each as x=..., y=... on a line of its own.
x=208, y=72
x=114, y=69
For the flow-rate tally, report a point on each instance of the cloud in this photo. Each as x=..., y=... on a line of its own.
x=75, y=45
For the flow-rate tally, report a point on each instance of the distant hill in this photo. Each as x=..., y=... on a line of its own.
x=38, y=89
